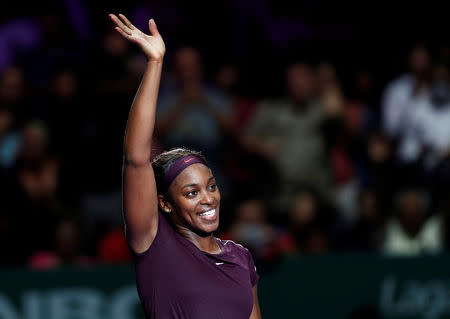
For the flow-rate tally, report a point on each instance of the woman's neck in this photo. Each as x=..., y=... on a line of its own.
x=204, y=242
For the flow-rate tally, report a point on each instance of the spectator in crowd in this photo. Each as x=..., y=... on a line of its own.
x=12, y=89
x=194, y=114
x=428, y=131
x=309, y=225
x=34, y=143
x=12, y=103
x=66, y=250
x=402, y=98
x=33, y=191
x=432, y=121
x=337, y=137
x=251, y=228
x=244, y=169
x=410, y=232
x=288, y=131
x=63, y=114
x=104, y=91
x=363, y=104
x=399, y=92
x=361, y=114
x=227, y=80
x=326, y=78
x=33, y=206
x=379, y=172
x=364, y=234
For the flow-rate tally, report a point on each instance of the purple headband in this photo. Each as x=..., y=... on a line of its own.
x=179, y=165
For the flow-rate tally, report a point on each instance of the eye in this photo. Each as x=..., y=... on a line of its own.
x=192, y=193
x=212, y=187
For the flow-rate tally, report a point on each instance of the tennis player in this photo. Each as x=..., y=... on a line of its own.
x=171, y=209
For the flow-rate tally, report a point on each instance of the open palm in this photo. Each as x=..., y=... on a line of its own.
x=152, y=45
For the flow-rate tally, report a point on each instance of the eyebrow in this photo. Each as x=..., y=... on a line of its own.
x=191, y=185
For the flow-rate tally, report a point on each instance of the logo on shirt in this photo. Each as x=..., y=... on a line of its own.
x=188, y=160
x=218, y=264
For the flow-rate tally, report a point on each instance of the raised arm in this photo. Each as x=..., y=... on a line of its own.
x=140, y=204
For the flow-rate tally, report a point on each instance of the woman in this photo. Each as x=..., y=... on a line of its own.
x=182, y=270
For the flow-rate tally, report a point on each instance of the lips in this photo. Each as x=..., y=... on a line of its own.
x=209, y=215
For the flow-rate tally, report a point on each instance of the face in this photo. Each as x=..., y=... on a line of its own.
x=304, y=209
x=250, y=212
x=378, y=149
x=65, y=85
x=188, y=65
x=412, y=211
x=12, y=85
x=195, y=200
x=227, y=77
x=419, y=60
x=368, y=205
x=299, y=81
x=326, y=76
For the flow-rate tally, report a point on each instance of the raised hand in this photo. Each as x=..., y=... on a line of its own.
x=152, y=45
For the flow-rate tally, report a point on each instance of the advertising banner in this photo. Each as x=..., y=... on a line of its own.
x=298, y=287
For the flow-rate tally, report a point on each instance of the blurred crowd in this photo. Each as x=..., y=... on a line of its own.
x=328, y=164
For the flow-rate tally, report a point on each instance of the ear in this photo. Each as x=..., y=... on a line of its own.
x=165, y=204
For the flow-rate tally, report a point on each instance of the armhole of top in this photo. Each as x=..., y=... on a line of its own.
x=254, y=276
x=139, y=256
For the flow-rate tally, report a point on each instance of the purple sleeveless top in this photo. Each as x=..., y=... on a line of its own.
x=175, y=279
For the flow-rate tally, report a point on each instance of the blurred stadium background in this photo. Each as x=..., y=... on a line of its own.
x=327, y=124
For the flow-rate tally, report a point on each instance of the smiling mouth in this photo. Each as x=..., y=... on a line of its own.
x=209, y=215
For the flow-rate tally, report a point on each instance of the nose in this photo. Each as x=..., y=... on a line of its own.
x=207, y=198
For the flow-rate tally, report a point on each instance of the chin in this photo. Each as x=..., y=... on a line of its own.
x=208, y=228
x=212, y=228
x=208, y=222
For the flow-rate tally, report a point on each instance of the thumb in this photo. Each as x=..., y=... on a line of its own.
x=152, y=27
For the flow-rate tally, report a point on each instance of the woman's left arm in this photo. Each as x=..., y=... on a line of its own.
x=256, y=313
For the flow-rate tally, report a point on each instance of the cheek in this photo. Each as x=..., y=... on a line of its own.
x=217, y=193
x=186, y=207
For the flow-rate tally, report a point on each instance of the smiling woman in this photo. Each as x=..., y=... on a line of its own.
x=189, y=191
x=171, y=209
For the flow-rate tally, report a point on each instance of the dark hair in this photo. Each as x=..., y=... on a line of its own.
x=162, y=163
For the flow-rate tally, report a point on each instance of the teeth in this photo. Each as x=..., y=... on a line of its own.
x=208, y=213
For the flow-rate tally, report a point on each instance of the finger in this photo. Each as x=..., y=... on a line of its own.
x=126, y=21
x=120, y=24
x=153, y=28
x=123, y=33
